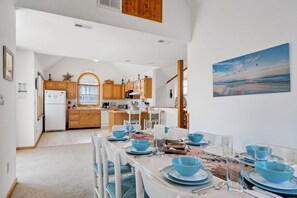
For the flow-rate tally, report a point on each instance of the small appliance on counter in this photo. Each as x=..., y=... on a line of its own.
x=105, y=105
x=123, y=106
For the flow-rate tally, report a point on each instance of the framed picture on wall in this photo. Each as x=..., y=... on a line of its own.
x=8, y=61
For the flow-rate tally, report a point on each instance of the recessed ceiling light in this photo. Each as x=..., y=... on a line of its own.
x=163, y=41
x=127, y=61
x=95, y=60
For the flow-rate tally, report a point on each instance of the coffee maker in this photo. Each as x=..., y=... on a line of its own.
x=105, y=105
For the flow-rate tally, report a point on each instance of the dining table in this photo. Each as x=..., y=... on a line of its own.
x=155, y=163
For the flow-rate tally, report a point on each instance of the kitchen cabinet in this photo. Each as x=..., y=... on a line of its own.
x=112, y=91
x=129, y=86
x=55, y=85
x=146, y=88
x=136, y=85
x=107, y=91
x=117, y=92
x=71, y=90
x=123, y=91
x=84, y=118
x=147, y=9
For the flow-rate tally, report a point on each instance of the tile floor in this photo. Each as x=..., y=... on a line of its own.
x=67, y=137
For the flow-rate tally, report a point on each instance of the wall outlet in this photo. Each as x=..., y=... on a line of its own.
x=1, y=99
x=7, y=167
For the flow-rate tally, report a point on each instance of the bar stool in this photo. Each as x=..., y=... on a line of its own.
x=149, y=123
x=130, y=121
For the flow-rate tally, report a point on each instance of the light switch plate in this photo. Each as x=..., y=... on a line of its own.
x=1, y=99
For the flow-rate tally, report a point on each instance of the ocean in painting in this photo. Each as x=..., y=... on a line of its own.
x=266, y=71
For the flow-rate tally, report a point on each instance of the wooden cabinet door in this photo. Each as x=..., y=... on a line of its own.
x=107, y=91
x=136, y=86
x=60, y=85
x=71, y=90
x=146, y=90
x=49, y=85
x=117, y=91
x=123, y=91
x=147, y=9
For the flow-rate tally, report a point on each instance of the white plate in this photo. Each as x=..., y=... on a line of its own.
x=288, y=185
x=148, y=150
x=199, y=176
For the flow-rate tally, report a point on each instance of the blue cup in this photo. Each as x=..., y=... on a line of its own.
x=140, y=145
x=262, y=151
x=186, y=166
x=119, y=133
x=274, y=172
x=195, y=137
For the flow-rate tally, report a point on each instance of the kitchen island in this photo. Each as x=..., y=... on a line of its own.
x=118, y=117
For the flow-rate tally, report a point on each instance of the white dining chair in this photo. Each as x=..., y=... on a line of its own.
x=154, y=118
x=148, y=185
x=97, y=165
x=123, y=186
x=97, y=159
x=134, y=121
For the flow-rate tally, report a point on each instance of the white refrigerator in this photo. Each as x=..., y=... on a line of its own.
x=55, y=110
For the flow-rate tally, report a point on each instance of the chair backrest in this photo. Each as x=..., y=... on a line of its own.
x=97, y=160
x=154, y=187
x=118, y=157
x=133, y=112
x=118, y=127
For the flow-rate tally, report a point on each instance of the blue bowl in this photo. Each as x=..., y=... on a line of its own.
x=186, y=166
x=141, y=145
x=261, y=150
x=119, y=134
x=274, y=172
x=195, y=137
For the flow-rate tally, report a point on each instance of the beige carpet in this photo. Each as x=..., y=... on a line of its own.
x=54, y=172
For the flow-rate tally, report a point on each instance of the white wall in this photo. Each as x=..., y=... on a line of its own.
x=76, y=66
x=231, y=28
x=176, y=16
x=7, y=112
x=162, y=75
x=25, y=109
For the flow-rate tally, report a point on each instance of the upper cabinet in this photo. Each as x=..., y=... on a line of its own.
x=71, y=90
x=55, y=85
x=146, y=88
x=107, y=91
x=147, y=9
x=117, y=92
x=70, y=87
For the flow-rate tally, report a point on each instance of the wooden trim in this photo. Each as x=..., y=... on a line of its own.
x=171, y=79
x=78, y=84
x=12, y=187
x=180, y=93
x=30, y=147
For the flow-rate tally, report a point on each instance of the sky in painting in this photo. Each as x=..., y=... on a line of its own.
x=265, y=63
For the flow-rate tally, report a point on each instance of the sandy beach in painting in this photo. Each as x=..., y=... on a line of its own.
x=266, y=71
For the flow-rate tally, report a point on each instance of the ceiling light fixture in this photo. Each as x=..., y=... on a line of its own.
x=95, y=60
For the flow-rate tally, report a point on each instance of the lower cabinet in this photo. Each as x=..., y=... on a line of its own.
x=84, y=118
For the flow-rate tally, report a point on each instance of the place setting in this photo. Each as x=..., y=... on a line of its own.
x=197, y=139
x=118, y=135
x=270, y=173
x=248, y=157
x=187, y=171
x=140, y=147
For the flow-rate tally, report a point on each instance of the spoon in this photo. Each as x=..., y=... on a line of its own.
x=218, y=186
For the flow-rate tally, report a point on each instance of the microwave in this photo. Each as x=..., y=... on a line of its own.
x=127, y=94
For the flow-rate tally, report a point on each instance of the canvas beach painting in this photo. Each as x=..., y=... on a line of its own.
x=266, y=71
